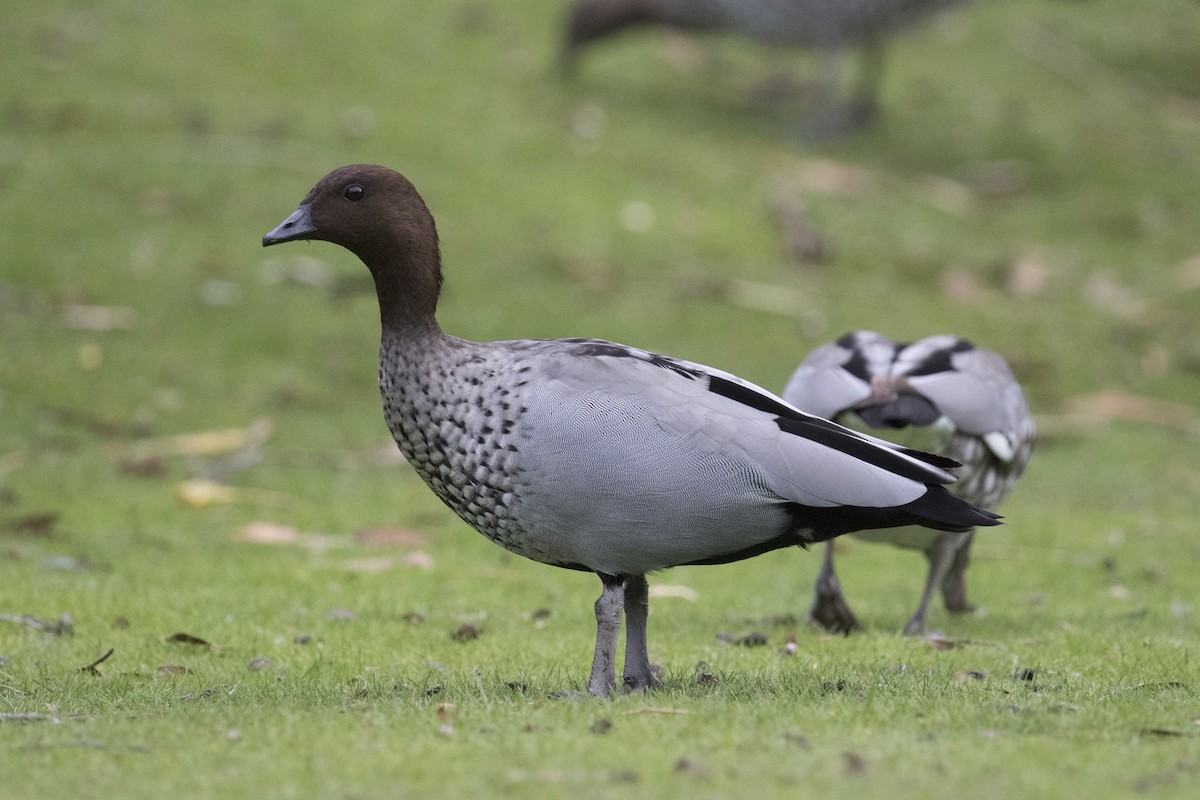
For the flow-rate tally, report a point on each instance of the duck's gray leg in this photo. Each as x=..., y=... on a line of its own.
x=608, y=624
x=638, y=674
x=954, y=585
x=829, y=609
x=864, y=101
x=941, y=556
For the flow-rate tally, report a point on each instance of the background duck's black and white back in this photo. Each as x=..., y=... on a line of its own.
x=940, y=394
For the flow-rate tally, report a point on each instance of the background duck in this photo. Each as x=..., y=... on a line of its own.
x=942, y=394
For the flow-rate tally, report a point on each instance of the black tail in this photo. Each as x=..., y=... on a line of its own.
x=938, y=508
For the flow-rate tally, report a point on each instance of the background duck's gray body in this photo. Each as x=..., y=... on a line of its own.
x=816, y=23
x=940, y=394
x=826, y=24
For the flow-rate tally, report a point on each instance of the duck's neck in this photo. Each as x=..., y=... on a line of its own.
x=407, y=287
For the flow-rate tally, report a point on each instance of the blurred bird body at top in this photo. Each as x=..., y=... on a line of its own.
x=941, y=394
x=830, y=26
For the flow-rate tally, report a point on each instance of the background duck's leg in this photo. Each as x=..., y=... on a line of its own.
x=609, y=606
x=954, y=585
x=829, y=609
x=941, y=556
x=638, y=674
x=864, y=101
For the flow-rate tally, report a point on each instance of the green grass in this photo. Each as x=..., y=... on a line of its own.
x=144, y=150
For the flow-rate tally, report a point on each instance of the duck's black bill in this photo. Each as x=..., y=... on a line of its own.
x=297, y=226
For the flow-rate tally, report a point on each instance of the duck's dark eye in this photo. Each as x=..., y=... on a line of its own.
x=354, y=193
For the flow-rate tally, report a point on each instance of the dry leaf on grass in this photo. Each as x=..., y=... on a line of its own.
x=268, y=533
x=98, y=319
x=278, y=533
x=201, y=493
x=142, y=467
x=824, y=176
x=1027, y=277
x=1188, y=274
x=187, y=638
x=40, y=524
x=383, y=536
x=674, y=590
x=210, y=443
x=940, y=642
x=419, y=559
x=948, y=195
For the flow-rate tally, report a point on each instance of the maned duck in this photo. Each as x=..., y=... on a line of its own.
x=590, y=455
x=941, y=394
x=828, y=25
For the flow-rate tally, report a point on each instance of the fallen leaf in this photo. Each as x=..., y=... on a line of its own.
x=1105, y=294
x=202, y=493
x=465, y=633
x=999, y=179
x=853, y=764
x=1027, y=277
x=144, y=467
x=769, y=297
x=384, y=536
x=824, y=176
x=970, y=675
x=419, y=559
x=258, y=663
x=961, y=286
x=946, y=194
x=939, y=642
x=1188, y=274
x=686, y=766
x=99, y=319
x=674, y=590
x=171, y=670
x=187, y=638
x=601, y=725
x=40, y=524
x=268, y=533
x=211, y=443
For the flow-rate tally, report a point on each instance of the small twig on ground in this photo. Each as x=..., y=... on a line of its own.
x=91, y=668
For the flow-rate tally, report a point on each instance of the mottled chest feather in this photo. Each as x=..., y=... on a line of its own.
x=457, y=420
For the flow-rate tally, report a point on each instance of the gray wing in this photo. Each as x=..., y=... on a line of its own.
x=836, y=376
x=974, y=388
x=800, y=457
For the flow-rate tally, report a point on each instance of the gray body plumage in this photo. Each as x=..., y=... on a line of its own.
x=591, y=455
x=940, y=394
x=521, y=439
